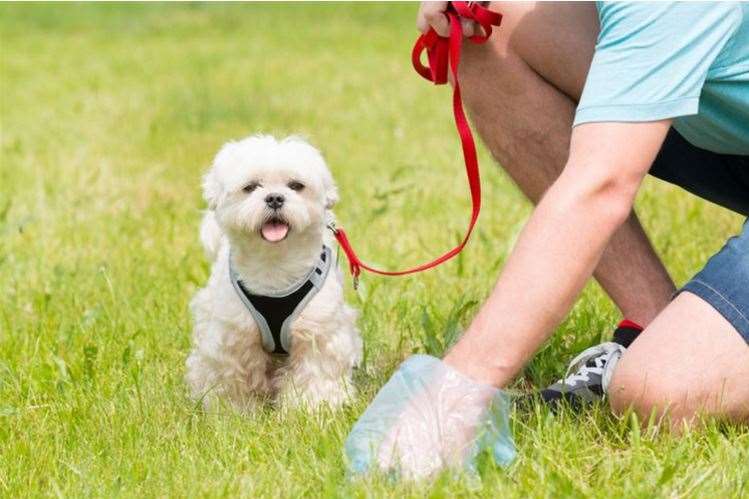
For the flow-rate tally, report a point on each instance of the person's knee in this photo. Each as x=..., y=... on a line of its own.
x=689, y=363
x=502, y=56
x=493, y=59
x=641, y=387
x=555, y=41
x=626, y=388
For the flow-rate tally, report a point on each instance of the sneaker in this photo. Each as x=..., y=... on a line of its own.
x=588, y=376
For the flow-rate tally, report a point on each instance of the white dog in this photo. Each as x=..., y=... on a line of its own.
x=271, y=322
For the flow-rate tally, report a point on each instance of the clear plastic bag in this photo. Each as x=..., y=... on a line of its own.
x=429, y=417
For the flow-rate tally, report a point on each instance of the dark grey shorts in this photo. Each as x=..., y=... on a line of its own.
x=724, y=180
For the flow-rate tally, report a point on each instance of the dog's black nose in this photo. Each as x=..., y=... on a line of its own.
x=274, y=200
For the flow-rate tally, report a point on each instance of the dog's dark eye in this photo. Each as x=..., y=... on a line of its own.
x=250, y=187
x=296, y=186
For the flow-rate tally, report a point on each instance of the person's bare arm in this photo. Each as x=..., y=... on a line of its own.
x=559, y=248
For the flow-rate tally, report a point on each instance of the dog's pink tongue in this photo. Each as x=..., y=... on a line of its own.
x=274, y=231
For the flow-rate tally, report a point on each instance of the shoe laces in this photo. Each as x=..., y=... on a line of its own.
x=598, y=359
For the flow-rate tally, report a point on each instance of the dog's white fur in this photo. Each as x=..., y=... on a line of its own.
x=228, y=360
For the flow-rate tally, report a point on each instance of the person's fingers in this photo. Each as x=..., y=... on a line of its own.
x=478, y=30
x=439, y=22
x=421, y=20
x=432, y=14
x=468, y=26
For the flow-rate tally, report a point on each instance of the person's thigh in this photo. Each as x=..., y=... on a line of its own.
x=689, y=362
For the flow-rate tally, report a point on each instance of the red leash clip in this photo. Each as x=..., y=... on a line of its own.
x=443, y=55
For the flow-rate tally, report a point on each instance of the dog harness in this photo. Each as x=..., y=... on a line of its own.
x=275, y=312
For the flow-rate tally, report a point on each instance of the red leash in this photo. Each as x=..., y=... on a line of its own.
x=442, y=53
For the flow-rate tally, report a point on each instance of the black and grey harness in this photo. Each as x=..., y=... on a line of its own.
x=274, y=313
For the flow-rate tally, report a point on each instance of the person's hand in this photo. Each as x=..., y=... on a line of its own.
x=429, y=417
x=432, y=15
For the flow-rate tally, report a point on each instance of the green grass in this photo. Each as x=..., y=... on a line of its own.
x=109, y=115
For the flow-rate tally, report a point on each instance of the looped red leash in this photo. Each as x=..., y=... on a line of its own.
x=442, y=54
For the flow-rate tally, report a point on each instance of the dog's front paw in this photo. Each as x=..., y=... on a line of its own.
x=315, y=393
x=213, y=383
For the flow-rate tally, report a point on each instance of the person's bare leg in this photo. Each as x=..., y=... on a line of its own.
x=521, y=90
x=690, y=361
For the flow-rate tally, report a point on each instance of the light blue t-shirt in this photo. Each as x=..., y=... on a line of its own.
x=687, y=61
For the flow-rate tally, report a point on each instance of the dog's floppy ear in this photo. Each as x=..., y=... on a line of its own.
x=331, y=195
x=212, y=190
x=329, y=187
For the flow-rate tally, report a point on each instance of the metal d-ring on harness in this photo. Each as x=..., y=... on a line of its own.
x=275, y=312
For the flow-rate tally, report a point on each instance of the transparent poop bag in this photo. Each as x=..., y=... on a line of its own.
x=429, y=417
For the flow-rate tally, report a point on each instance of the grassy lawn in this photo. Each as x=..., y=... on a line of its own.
x=110, y=113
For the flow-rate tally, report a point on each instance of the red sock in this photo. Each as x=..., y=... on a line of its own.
x=626, y=332
x=630, y=325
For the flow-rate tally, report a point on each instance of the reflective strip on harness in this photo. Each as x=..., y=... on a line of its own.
x=275, y=313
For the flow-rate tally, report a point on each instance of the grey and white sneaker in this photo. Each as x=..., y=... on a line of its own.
x=588, y=376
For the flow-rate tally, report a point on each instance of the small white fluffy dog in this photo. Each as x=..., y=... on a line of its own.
x=269, y=204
